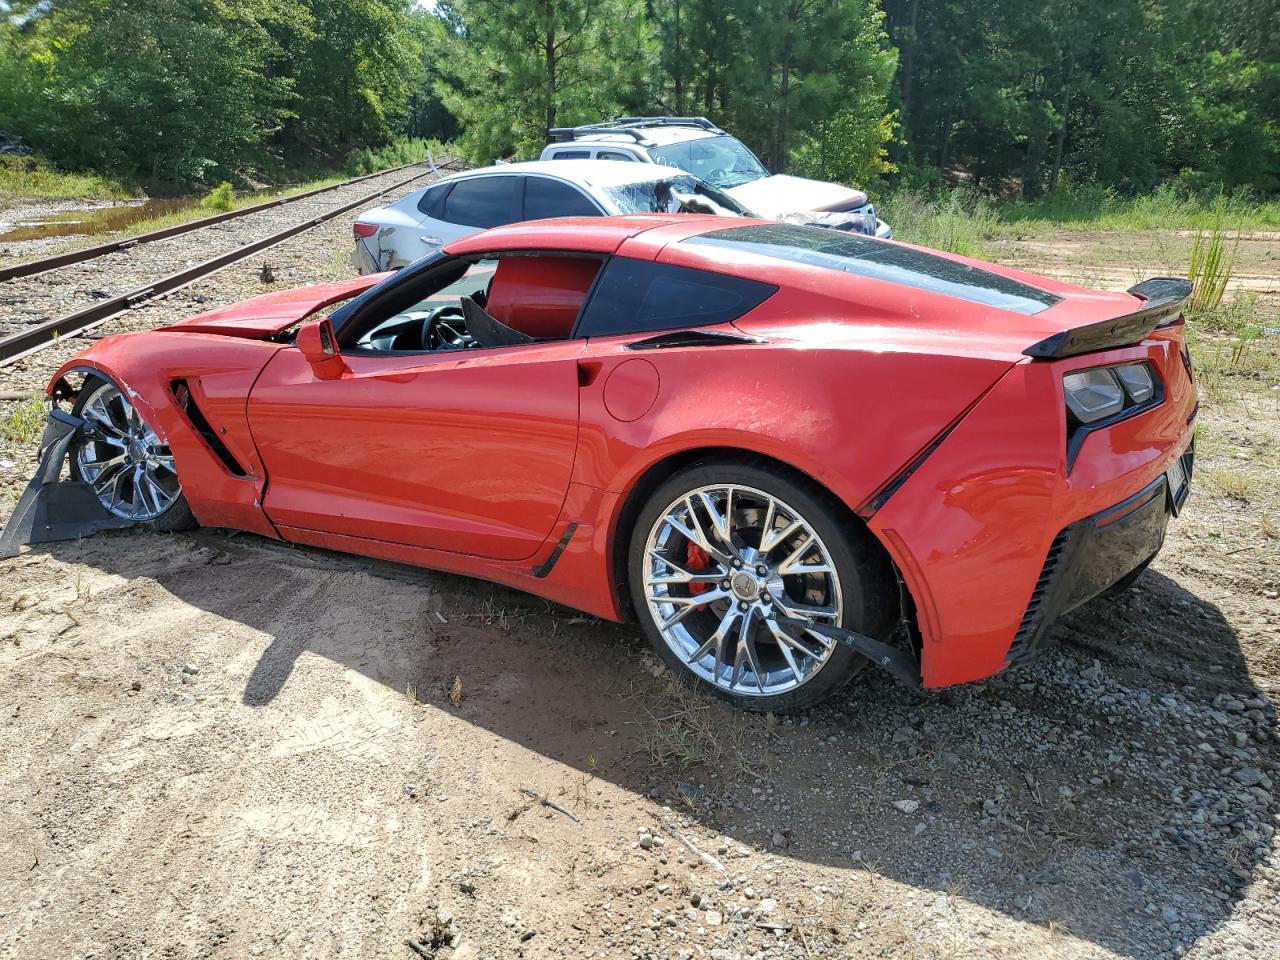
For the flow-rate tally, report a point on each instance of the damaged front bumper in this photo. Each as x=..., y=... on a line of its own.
x=52, y=508
x=861, y=220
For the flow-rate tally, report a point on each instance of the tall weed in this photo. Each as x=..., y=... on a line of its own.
x=1171, y=206
x=29, y=177
x=221, y=197
x=24, y=422
x=395, y=154
x=955, y=221
x=1212, y=264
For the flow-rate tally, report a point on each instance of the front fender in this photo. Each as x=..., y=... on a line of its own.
x=219, y=372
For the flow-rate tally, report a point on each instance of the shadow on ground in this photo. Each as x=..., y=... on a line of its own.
x=1074, y=792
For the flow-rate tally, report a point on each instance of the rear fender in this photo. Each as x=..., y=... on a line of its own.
x=848, y=419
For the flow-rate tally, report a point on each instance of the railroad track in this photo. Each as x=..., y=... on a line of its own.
x=97, y=267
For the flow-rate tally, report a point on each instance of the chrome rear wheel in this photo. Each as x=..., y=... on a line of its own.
x=129, y=468
x=724, y=566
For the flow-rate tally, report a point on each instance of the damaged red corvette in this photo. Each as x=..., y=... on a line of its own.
x=787, y=451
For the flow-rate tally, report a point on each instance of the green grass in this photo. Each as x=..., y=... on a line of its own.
x=959, y=220
x=955, y=221
x=24, y=423
x=29, y=178
x=198, y=211
x=395, y=154
x=1245, y=362
x=1169, y=207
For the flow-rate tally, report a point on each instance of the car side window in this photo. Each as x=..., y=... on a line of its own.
x=613, y=155
x=635, y=296
x=571, y=155
x=463, y=304
x=431, y=203
x=484, y=201
x=544, y=198
x=421, y=313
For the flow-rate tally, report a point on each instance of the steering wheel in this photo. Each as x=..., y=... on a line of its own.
x=444, y=329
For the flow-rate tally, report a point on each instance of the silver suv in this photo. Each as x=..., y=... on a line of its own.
x=697, y=146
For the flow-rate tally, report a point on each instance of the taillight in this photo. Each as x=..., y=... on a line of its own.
x=363, y=231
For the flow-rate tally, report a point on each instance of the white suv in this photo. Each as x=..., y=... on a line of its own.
x=421, y=222
x=698, y=146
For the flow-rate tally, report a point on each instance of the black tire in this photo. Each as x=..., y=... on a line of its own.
x=177, y=516
x=870, y=599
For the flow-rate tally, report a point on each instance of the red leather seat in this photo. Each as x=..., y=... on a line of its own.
x=540, y=296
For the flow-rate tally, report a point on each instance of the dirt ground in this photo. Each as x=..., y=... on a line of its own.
x=214, y=745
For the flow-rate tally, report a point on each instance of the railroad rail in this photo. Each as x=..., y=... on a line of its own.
x=29, y=267
x=25, y=342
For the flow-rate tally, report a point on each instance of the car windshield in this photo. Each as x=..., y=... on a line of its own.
x=722, y=161
x=674, y=194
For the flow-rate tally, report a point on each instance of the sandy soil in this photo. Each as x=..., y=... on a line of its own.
x=216, y=745
x=1111, y=260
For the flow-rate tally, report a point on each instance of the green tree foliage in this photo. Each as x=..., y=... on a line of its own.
x=804, y=82
x=1028, y=96
x=517, y=68
x=204, y=90
x=1127, y=93
x=356, y=65
x=164, y=89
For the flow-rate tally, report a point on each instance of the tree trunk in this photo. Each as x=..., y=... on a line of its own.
x=549, y=47
x=944, y=154
x=908, y=70
x=1060, y=139
x=780, y=135
x=678, y=73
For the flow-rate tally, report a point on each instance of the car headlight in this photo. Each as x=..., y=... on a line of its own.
x=1103, y=392
x=1093, y=394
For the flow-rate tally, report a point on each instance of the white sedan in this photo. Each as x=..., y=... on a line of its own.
x=418, y=224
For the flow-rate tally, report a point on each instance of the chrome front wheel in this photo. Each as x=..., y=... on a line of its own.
x=129, y=468
x=726, y=566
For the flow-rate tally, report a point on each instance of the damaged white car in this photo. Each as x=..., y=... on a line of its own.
x=390, y=237
x=697, y=146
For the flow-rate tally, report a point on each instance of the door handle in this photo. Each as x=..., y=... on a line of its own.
x=434, y=241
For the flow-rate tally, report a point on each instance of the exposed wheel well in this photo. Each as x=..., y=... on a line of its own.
x=658, y=473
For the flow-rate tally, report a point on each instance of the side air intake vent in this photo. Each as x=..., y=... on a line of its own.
x=1024, y=641
x=188, y=405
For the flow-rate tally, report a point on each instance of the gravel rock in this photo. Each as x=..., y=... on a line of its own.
x=1252, y=777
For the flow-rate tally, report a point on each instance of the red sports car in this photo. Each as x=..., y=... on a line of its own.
x=786, y=451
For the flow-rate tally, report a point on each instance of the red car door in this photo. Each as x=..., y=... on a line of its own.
x=466, y=451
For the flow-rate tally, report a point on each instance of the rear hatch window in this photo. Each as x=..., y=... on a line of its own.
x=867, y=257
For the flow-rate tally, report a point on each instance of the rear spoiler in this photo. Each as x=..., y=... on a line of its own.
x=1164, y=297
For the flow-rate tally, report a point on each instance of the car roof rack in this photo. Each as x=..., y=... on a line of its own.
x=631, y=127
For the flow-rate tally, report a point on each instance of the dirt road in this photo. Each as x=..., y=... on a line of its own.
x=220, y=746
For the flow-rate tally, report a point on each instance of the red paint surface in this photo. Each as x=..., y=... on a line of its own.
x=541, y=297
x=476, y=462
x=631, y=389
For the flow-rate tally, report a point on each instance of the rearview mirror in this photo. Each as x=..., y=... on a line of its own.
x=318, y=344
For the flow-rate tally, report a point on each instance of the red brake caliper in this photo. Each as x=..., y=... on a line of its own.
x=698, y=560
